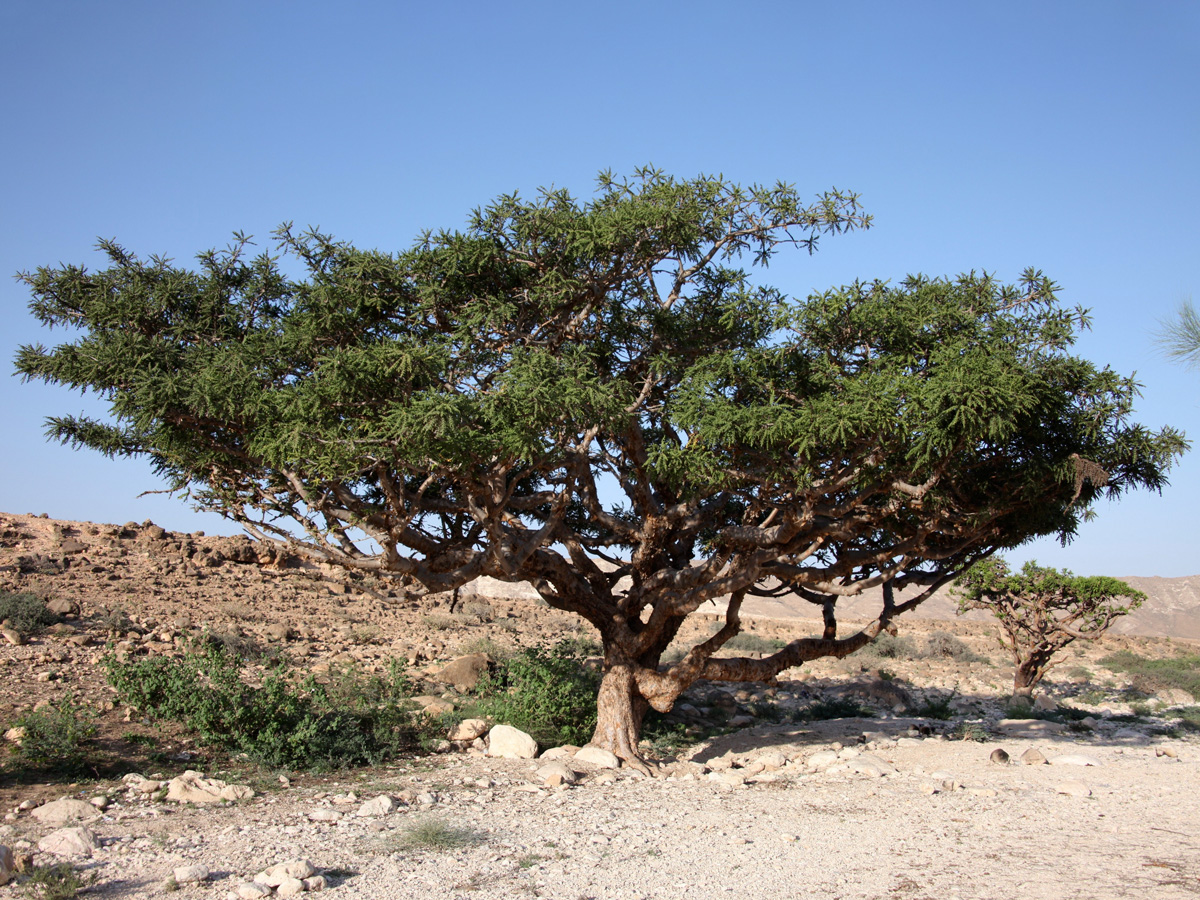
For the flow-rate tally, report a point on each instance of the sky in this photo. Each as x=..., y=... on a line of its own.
x=1062, y=136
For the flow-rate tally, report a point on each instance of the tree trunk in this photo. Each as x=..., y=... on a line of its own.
x=620, y=709
x=1025, y=679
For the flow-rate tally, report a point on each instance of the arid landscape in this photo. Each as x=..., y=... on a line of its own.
x=933, y=791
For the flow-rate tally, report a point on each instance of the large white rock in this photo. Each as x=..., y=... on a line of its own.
x=248, y=890
x=289, y=887
x=507, y=742
x=193, y=787
x=468, y=730
x=191, y=874
x=598, y=757
x=77, y=841
x=59, y=812
x=295, y=869
x=1075, y=759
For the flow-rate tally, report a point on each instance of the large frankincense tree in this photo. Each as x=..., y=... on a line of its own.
x=1041, y=610
x=596, y=397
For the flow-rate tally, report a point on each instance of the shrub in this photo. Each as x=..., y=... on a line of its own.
x=548, y=692
x=434, y=834
x=889, y=646
x=57, y=882
x=754, y=642
x=282, y=722
x=1152, y=675
x=25, y=612
x=55, y=739
x=839, y=708
x=943, y=645
x=941, y=708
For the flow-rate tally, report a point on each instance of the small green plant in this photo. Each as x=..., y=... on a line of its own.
x=441, y=621
x=940, y=708
x=57, y=882
x=25, y=612
x=56, y=739
x=436, y=835
x=969, y=731
x=529, y=860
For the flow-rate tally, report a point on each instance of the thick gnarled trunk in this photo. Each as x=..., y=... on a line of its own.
x=620, y=710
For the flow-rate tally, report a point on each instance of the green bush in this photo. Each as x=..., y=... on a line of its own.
x=940, y=708
x=282, y=722
x=25, y=612
x=547, y=692
x=56, y=739
x=754, y=642
x=943, y=645
x=1152, y=675
x=59, y=881
x=889, y=646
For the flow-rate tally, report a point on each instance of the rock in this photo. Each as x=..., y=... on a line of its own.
x=62, y=606
x=249, y=890
x=822, y=758
x=379, y=806
x=556, y=769
x=15, y=735
x=464, y=672
x=99, y=801
x=8, y=865
x=59, y=812
x=435, y=706
x=999, y=756
x=1168, y=752
x=191, y=874
x=1033, y=757
x=598, y=757
x=294, y=869
x=566, y=751
x=76, y=841
x=1075, y=759
x=1044, y=703
x=193, y=787
x=1074, y=789
x=277, y=631
x=13, y=636
x=289, y=887
x=315, y=883
x=468, y=730
x=324, y=815
x=507, y=742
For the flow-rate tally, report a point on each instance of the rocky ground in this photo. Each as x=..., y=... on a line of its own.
x=894, y=805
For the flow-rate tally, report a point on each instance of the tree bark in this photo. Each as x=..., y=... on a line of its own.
x=1025, y=679
x=620, y=709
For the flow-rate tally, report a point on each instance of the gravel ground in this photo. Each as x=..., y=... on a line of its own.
x=946, y=823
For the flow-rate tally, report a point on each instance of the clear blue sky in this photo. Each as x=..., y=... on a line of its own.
x=996, y=136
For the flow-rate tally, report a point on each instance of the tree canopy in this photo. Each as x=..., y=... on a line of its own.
x=598, y=398
x=1041, y=610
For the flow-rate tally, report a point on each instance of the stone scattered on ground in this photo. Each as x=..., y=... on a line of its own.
x=507, y=742
x=193, y=787
x=78, y=840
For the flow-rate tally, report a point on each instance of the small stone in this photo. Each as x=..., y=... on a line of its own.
x=1033, y=757
x=315, y=883
x=8, y=864
x=556, y=769
x=290, y=887
x=77, y=841
x=999, y=756
x=99, y=801
x=566, y=751
x=294, y=869
x=929, y=789
x=1074, y=789
x=1168, y=752
x=191, y=874
x=13, y=636
x=15, y=735
x=507, y=742
x=248, y=890
x=598, y=757
x=425, y=798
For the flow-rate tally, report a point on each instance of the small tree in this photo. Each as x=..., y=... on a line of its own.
x=595, y=398
x=1042, y=610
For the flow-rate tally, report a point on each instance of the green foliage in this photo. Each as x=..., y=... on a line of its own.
x=1152, y=675
x=56, y=739
x=969, y=731
x=941, y=708
x=59, y=881
x=282, y=722
x=755, y=643
x=889, y=646
x=1180, y=337
x=837, y=708
x=943, y=645
x=25, y=612
x=547, y=692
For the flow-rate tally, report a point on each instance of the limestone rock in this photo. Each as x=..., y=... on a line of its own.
x=1074, y=789
x=598, y=757
x=289, y=887
x=1000, y=756
x=15, y=735
x=249, y=890
x=507, y=742
x=295, y=869
x=566, y=751
x=191, y=874
x=379, y=806
x=315, y=883
x=1033, y=757
x=464, y=673
x=59, y=812
x=1044, y=703
x=193, y=787
x=556, y=771
x=1030, y=727
x=1075, y=759
x=76, y=841
x=324, y=815
x=468, y=730
x=8, y=865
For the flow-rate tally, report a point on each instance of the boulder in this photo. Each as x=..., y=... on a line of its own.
x=289, y=887
x=1074, y=789
x=468, y=730
x=294, y=869
x=8, y=865
x=249, y=890
x=59, y=812
x=507, y=742
x=1075, y=759
x=556, y=772
x=193, y=787
x=1033, y=757
x=76, y=841
x=191, y=874
x=379, y=806
x=597, y=757
x=464, y=673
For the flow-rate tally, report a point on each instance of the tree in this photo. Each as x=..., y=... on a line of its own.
x=1042, y=610
x=596, y=398
x=1180, y=338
